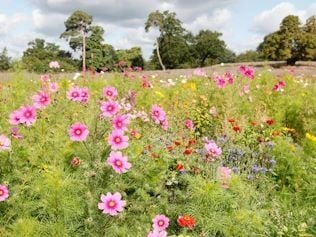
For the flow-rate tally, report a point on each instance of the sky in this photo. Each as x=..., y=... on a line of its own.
x=243, y=23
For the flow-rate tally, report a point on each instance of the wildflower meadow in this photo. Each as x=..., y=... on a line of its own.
x=136, y=153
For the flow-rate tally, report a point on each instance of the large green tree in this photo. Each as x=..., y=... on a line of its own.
x=291, y=42
x=133, y=57
x=77, y=27
x=172, y=50
x=39, y=53
x=207, y=44
x=4, y=60
x=248, y=56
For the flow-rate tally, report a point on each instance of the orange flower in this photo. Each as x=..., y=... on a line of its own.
x=179, y=167
x=231, y=120
x=270, y=122
x=187, y=152
x=177, y=143
x=236, y=129
x=169, y=148
x=186, y=221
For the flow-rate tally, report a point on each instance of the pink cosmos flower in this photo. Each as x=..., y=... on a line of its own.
x=246, y=89
x=229, y=78
x=199, y=72
x=279, y=86
x=4, y=193
x=160, y=222
x=157, y=114
x=212, y=149
x=119, y=162
x=53, y=87
x=117, y=140
x=220, y=82
x=157, y=233
x=165, y=124
x=5, y=143
x=45, y=78
x=54, y=64
x=84, y=94
x=28, y=115
x=41, y=100
x=110, y=92
x=242, y=69
x=15, y=133
x=74, y=94
x=111, y=204
x=109, y=108
x=15, y=117
x=224, y=176
x=189, y=124
x=120, y=122
x=78, y=132
x=250, y=73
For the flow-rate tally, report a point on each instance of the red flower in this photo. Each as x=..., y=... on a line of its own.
x=253, y=123
x=270, y=122
x=187, y=152
x=177, y=143
x=75, y=162
x=191, y=142
x=236, y=129
x=186, y=221
x=231, y=120
x=179, y=167
x=169, y=148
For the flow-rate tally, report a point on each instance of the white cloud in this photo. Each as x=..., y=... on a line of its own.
x=7, y=23
x=269, y=20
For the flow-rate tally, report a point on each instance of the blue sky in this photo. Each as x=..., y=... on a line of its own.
x=242, y=22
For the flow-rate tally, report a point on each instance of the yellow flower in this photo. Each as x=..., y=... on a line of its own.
x=137, y=135
x=288, y=129
x=203, y=97
x=310, y=137
x=160, y=94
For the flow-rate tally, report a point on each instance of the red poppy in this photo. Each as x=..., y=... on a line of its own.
x=236, y=129
x=179, y=167
x=177, y=143
x=186, y=221
x=191, y=142
x=187, y=152
x=270, y=122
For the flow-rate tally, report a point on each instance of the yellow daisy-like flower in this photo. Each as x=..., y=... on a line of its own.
x=310, y=137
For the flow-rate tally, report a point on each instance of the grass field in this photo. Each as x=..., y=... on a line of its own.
x=188, y=153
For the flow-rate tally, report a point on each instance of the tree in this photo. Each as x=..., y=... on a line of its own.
x=133, y=57
x=94, y=49
x=77, y=27
x=248, y=56
x=171, y=45
x=155, y=19
x=4, y=60
x=291, y=42
x=37, y=56
x=207, y=44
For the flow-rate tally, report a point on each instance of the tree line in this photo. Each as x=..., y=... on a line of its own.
x=175, y=46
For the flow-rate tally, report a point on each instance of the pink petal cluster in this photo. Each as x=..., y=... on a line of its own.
x=220, y=82
x=160, y=222
x=117, y=140
x=111, y=204
x=54, y=64
x=15, y=133
x=53, y=87
x=78, y=132
x=279, y=86
x=248, y=72
x=224, y=176
x=157, y=233
x=41, y=100
x=25, y=114
x=78, y=94
x=109, y=108
x=45, y=78
x=5, y=143
x=119, y=162
x=229, y=78
x=159, y=116
x=110, y=93
x=199, y=72
x=4, y=193
x=120, y=122
x=212, y=149
x=188, y=123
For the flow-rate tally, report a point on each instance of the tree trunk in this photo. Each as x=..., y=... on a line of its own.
x=291, y=61
x=158, y=55
x=83, y=51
